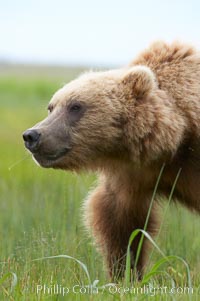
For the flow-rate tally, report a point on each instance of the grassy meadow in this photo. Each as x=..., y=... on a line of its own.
x=40, y=214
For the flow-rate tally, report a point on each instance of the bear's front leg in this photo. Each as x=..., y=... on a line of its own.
x=111, y=220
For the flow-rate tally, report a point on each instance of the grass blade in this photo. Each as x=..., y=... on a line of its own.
x=14, y=279
x=83, y=266
x=148, y=216
x=136, y=232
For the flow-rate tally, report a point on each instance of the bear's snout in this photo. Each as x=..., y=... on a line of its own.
x=31, y=139
x=46, y=146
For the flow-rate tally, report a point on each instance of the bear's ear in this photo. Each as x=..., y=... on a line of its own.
x=138, y=81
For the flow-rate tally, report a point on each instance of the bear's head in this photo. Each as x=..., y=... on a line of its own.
x=95, y=118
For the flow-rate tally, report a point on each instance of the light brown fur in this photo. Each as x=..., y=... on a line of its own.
x=128, y=123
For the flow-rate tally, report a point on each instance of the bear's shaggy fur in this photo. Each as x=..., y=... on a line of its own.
x=126, y=124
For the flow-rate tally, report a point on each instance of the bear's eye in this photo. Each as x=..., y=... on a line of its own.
x=50, y=108
x=75, y=107
x=75, y=112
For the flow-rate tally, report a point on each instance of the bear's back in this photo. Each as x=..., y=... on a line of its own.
x=177, y=70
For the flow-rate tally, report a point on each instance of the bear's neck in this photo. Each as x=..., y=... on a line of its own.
x=129, y=183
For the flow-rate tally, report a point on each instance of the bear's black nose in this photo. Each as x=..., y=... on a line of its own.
x=31, y=139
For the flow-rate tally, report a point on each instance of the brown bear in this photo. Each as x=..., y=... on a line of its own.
x=125, y=124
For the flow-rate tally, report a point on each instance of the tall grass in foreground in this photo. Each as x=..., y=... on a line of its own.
x=40, y=219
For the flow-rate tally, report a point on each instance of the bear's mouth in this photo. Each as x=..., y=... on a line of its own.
x=48, y=159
